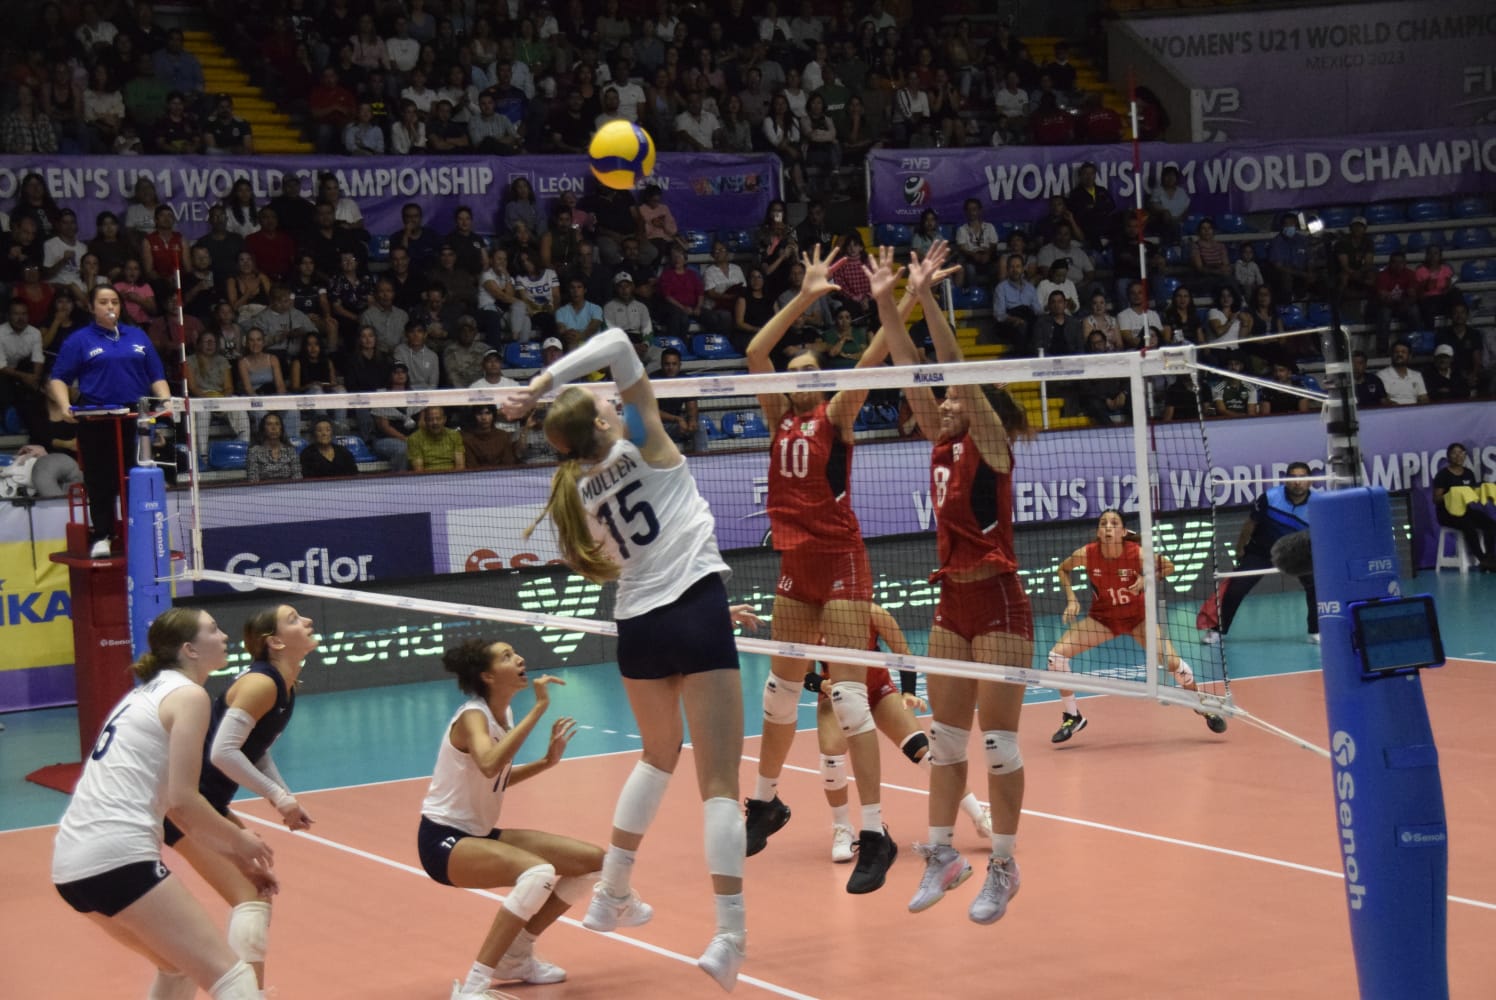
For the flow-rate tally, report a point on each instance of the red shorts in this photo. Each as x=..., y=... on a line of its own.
x=994, y=604
x=1119, y=624
x=879, y=686
x=817, y=577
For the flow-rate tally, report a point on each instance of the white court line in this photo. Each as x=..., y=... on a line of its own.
x=1144, y=835
x=570, y=922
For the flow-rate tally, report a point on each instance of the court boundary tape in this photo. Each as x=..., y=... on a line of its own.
x=401, y=866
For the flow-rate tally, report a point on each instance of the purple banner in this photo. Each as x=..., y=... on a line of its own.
x=1014, y=183
x=1336, y=69
x=704, y=190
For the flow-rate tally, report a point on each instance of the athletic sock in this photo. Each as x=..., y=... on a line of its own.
x=872, y=817
x=618, y=871
x=1069, y=705
x=731, y=914
x=479, y=978
x=1002, y=845
x=765, y=789
x=942, y=836
x=842, y=815
x=524, y=944
x=971, y=807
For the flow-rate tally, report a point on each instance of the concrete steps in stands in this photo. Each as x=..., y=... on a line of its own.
x=1088, y=79
x=274, y=132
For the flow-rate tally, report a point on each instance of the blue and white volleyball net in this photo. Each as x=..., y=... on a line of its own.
x=395, y=566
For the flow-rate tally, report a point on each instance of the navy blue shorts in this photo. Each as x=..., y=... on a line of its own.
x=434, y=843
x=174, y=833
x=112, y=891
x=690, y=635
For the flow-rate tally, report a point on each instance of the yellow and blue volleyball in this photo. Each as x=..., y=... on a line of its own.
x=621, y=153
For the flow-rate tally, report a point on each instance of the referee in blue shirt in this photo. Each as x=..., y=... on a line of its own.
x=114, y=365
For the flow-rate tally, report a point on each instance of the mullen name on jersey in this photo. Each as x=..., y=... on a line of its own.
x=605, y=479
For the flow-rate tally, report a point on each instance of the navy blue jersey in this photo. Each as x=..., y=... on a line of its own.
x=1275, y=516
x=216, y=786
x=112, y=367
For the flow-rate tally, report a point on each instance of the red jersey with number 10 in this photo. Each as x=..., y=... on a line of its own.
x=973, y=505
x=1110, y=578
x=810, y=485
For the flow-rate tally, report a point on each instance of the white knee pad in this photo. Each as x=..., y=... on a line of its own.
x=572, y=889
x=1059, y=664
x=531, y=890
x=726, y=837
x=238, y=983
x=249, y=930
x=947, y=744
x=1003, y=756
x=172, y=986
x=1184, y=674
x=781, y=701
x=849, y=702
x=833, y=772
x=640, y=798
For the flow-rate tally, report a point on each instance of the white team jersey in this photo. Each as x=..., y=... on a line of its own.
x=460, y=796
x=114, y=818
x=654, y=524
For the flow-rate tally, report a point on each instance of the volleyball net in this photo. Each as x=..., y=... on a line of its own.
x=414, y=560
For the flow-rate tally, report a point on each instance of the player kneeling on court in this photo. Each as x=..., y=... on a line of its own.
x=1114, y=567
x=459, y=841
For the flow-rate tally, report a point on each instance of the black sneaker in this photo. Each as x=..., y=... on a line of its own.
x=1215, y=723
x=763, y=818
x=875, y=854
x=1070, y=725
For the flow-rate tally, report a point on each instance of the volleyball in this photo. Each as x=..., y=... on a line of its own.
x=621, y=153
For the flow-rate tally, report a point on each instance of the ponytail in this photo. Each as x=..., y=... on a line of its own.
x=172, y=629
x=571, y=422
x=1010, y=413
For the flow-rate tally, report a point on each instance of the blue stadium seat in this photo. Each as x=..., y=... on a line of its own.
x=1338, y=216
x=1004, y=230
x=1385, y=243
x=6, y=460
x=948, y=232
x=1191, y=224
x=713, y=432
x=1478, y=270
x=753, y=425
x=738, y=240
x=1319, y=314
x=1471, y=207
x=1384, y=214
x=1428, y=210
x=663, y=341
x=1174, y=254
x=228, y=455
x=1165, y=289
x=1472, y=238
x=712, y=346
x=892, y=234
x=698, y=241
x=299, y=443
x=1423, y=239
x=1292, y=316
x=973, y=297
x=1421, y=342
x=1308, y=382
x=1229, y=223
x=379, y=249
x=358, y=448
x=12, y=421
x=526, y=355
x=876, y=417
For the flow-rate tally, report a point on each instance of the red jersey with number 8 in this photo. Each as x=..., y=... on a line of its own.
x=973, y=505
x=1111, y=600
x=810, y=485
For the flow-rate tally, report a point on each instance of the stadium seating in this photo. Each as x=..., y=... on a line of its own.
x=739, y=241
x=712, y=347
x=1338, y=217
x=892, y=234
x=665, y=342
x=1387, y=213
x=1471, y=208
x=973, y=297
x=1428, y=210
x=1472, y=238
x=1292, y=316
x=379, y=249
x=1478, y=270
x=1233, y=224
x=11, y=422
x=699, y=242
x=1318, y=314
x=228, y=455
x=1386, y=243
x=744, y=424
x=359, y=448
x=525, y=355
x=1422, y=239
x=713, y=432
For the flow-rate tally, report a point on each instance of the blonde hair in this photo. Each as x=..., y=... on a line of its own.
x=572, y=420
x=172, y=629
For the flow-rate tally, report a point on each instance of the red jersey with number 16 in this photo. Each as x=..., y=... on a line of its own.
x=810, y=485
x=973, y=509
x=1111, y=601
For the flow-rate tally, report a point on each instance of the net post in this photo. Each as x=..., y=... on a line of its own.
x=1142, y=465
x=1137, y=192
x=193, y=548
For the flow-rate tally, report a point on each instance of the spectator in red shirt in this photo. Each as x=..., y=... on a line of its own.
x=1099, y=123
x=272, y=248
x=1049, y=125
x=1437, y=293
x=331, y=106
x=851, y=277
x=1395, y=296
x=681, y=294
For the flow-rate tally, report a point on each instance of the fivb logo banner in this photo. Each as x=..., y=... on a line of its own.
x=333, y=553
x=1014, y=183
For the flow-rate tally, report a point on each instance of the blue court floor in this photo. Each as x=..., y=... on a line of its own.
x=390, y=733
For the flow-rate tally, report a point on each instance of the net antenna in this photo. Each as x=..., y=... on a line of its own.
x=1154, y=473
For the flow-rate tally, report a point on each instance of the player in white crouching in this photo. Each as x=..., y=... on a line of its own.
x=106, y=862
x=459, y=841
x=626, y=508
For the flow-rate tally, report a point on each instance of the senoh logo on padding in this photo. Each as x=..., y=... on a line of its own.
x=1343, y=751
